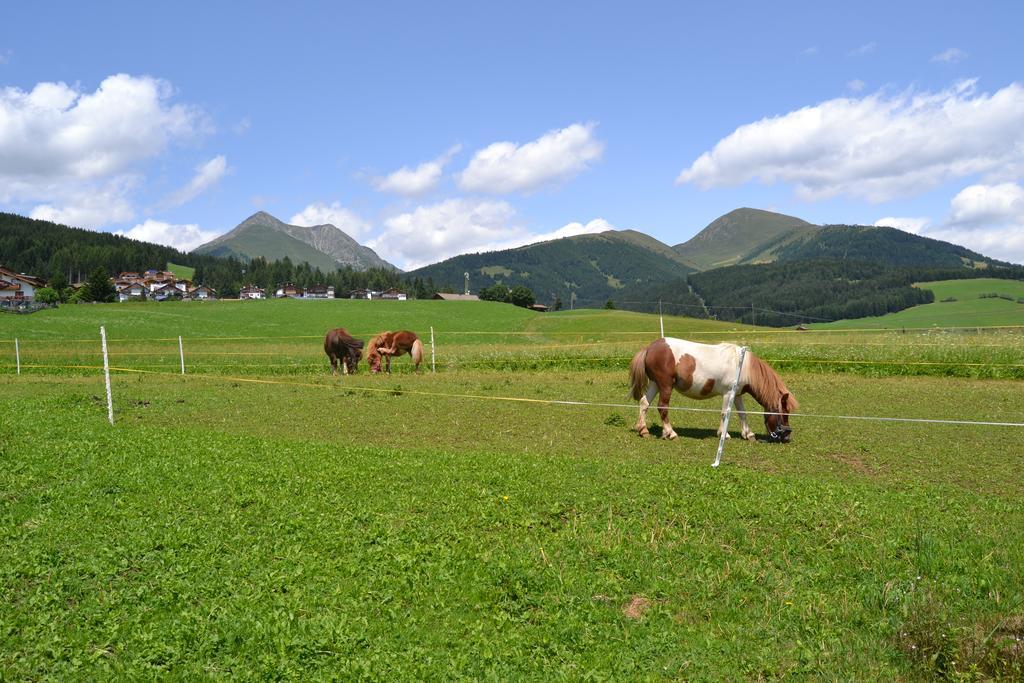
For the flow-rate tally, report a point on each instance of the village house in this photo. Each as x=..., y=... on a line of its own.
x=202, y=293
x=252, y=292
x=167, y=291
x=288, y=290
x=319, y=292
x=134, y=290
x=18, y=285
x=395, y=294
x=360, y=293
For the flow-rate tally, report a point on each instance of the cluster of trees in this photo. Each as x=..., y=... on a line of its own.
x=518, y=295
x=229, y=275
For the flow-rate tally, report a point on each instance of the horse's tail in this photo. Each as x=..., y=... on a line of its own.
x=417, y=352
x=638, y=374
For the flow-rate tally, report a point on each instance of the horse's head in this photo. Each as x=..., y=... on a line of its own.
x=373, y=358
x=352, y=359
x=777, y=423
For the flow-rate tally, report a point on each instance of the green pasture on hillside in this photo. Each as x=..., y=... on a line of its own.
x=181, y=272
x=257, y=518
x=969, y=309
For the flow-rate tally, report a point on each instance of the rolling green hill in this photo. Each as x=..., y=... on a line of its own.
x=610, y=265
x=974, y=305
x=322, y=246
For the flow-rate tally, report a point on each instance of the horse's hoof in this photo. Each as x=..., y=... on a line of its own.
x=669, y=436
x=751, y=438
x=643, y=433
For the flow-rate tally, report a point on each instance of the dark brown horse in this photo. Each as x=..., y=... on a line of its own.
x=340, y=345
x=387, y=344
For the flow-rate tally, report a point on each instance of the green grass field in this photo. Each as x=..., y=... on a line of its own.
x=253, y=520
x=181, y=272
x=968, y=310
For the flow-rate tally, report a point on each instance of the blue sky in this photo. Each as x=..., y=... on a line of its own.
x=427, y=130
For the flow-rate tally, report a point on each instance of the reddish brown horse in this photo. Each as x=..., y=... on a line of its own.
x=340, y=345
x=388, y=344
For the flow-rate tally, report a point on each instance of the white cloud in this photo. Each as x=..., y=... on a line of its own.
x=57, y=132
x=181, y=237
x=414, y=182
x=988, y=219
x=912, y=225
x=319, y=213
x=554, y=157
x=437, y=231
x=865, y=49
x=877, y=147
x=207, y=175
x=856, y=85
x=243, y=126
x=950, y=56
x=813, y=50
x=459, y=226
x=90, y=205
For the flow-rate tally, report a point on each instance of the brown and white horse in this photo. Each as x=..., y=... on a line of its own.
x=340, y=345
x=388, y=344
x=701, y=371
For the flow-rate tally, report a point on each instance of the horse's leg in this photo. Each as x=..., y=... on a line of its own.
x=665, y=395
x=729, y=396
x=645, y=402
x=344, y=365
x=388, y=357
x=334, y=364
x=745, y=431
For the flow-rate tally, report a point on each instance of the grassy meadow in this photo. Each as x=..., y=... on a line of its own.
x=258, y=519
x=970, y=308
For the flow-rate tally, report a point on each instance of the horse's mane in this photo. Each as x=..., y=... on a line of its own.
x=376, y=342
x=767, y=387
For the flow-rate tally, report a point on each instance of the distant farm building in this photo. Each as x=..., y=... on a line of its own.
x=289, y=290
x=202, y=293
x=456, y=297
x=319, y=292
x=393, y=293
x=252, y=292
x=539, y=307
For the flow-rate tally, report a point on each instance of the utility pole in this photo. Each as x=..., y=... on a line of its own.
x=753, y=314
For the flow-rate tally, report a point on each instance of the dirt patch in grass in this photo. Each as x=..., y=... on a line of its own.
x=855, y=463
x=637, y=607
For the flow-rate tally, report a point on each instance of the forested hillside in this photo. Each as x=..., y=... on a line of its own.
x=43, y=248
x=881, y=245
x=594, y=267
x=789, y=293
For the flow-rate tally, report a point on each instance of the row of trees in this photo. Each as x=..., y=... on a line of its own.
x=518, y=295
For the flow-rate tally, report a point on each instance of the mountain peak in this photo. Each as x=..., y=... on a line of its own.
x=728, y=238
x=322, y=246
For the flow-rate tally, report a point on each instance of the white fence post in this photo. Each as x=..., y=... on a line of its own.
x=17, y=354
x=432, y=366
x=728, y=409
x=181, y=352
x=106, y=376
